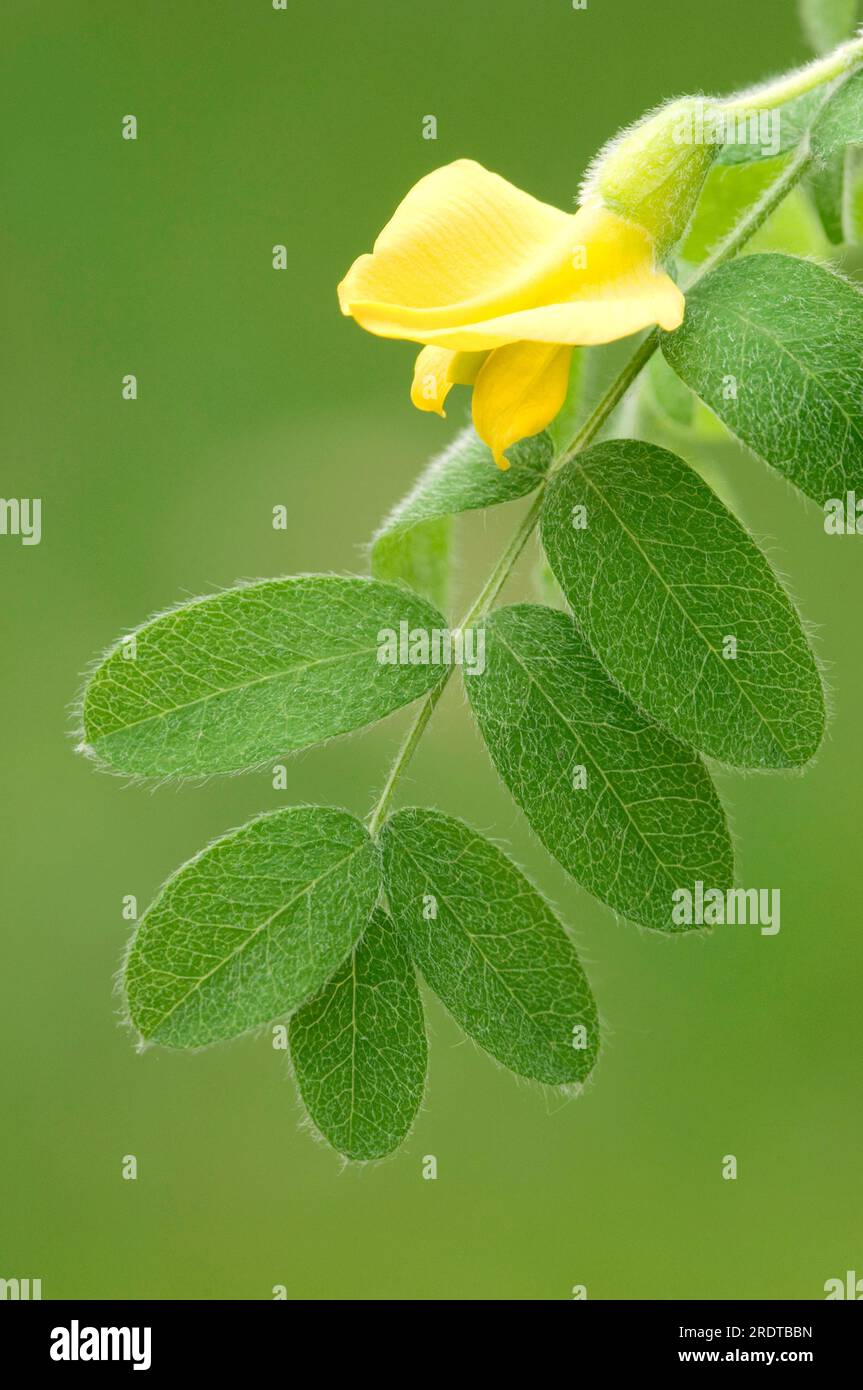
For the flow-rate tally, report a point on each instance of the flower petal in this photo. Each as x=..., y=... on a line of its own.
x=470, y=263
x=616, y=311
x=431, y=384
x=464, y=245
x=437, y=370
x=465, y=367
x=619, y=292
x=518, y=392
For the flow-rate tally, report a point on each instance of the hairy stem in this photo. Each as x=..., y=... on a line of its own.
x=755, y=217
x=749, y=224
x=815, y=74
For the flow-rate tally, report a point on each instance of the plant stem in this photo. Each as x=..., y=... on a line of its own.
x=405, y=753
x=815, y=74
x=746, y=228
x=758, y=214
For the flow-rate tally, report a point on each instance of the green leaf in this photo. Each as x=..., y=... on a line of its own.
x=413, y=544
x=827, y=22
x=490, y=947
x=359, y=1047
x=628, y=811
x=545, y=585
x=251, y=926
x=840, y=122
x=852, y=217
x=681, y=607
x=828, y=190
x=830, y=114
x=728, y=191
x=790, y=122
x=773, y=345
x=667, y=413
x=418, y=556
x=733, y=188
x=667, y=393
x=224, y=683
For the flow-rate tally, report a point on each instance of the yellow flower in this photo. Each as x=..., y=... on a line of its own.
x=500, y=287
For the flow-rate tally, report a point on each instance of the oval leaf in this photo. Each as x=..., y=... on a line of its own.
x=628, y=811
x=773, y=345
x=251, y=926
x=359, y=1047
x=681, y=607
x=224, y=683
x=490, y=947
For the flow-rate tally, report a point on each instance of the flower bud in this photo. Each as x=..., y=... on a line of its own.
x=652, y=174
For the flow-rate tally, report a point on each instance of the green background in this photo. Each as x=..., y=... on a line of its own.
x=304, y=127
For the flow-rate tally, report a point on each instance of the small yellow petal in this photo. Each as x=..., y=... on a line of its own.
x=431, y=384
x=518, y=392
x=437, y=370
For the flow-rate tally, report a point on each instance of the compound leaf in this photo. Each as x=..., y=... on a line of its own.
x=772, y=344
x=490, y=946
x=251, y=926
x=359, y=1047
x=628, y=811
x=224, y=683
x=681, y=607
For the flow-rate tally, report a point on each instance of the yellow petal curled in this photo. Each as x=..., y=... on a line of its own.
x=518, y=392
x=463, y=245
x=469, y=263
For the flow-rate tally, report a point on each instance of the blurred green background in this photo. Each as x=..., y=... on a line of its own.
x=304, y=127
